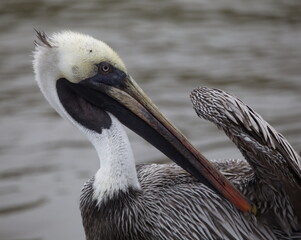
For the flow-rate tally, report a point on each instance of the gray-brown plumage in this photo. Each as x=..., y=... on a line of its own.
x=171, y=204
x=272, y=179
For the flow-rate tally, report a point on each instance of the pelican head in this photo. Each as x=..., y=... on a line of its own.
x=86, y=82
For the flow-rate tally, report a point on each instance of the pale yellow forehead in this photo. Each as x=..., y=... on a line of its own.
x=78, y=54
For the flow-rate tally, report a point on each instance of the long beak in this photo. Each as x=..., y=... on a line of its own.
x=144, y=118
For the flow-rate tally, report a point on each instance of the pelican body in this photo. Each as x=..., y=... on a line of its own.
x=87, y=83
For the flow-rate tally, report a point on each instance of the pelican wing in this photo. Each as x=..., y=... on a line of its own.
x=272, y=158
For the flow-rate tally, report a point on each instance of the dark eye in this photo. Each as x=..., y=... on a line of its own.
x=105, y=68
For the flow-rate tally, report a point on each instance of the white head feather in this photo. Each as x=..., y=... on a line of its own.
x=76, y=55
x=72, y=56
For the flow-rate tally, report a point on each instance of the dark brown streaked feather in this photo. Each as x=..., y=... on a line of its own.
x=170, y=205
x=276, y=185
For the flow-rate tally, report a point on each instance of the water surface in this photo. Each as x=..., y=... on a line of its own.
x=249, y=48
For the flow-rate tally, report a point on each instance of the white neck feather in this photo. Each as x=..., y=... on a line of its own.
x=117, y=165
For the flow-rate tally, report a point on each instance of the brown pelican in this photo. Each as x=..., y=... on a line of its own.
x=86, y=82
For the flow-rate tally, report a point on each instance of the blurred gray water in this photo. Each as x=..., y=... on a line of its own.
x=249, y=48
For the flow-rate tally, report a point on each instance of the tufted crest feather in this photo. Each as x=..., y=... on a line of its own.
x=42, y=39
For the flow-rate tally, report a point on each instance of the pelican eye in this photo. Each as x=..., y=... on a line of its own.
x=105, y=68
